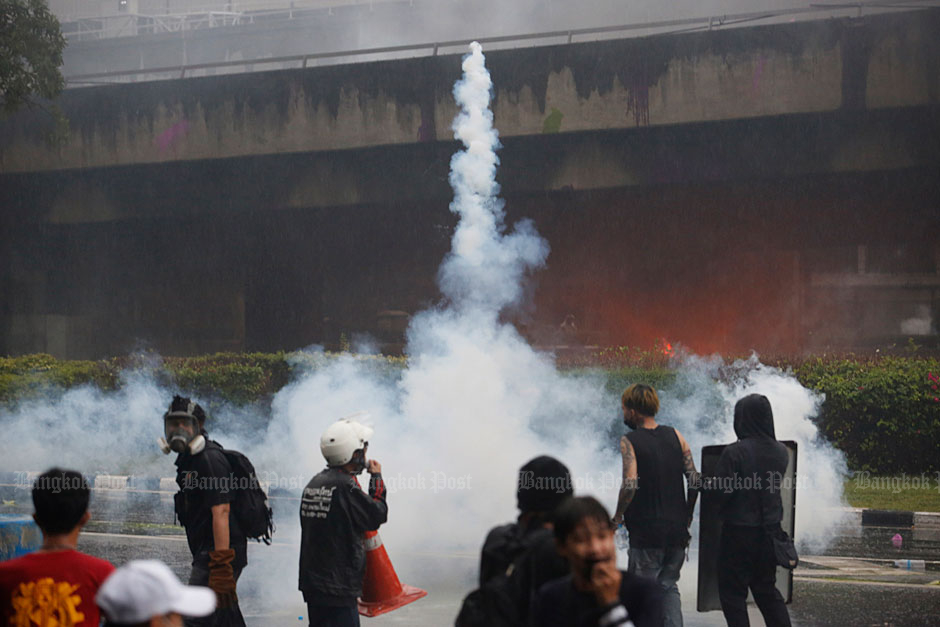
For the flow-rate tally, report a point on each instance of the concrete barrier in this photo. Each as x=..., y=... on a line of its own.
x=12, y=478
x=144, y=483
x=110, y=482
x=19, y=535
x=927, y=521
x=887, y=518
x=853, y=517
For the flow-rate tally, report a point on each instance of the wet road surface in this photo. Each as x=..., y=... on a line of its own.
x=824, y=592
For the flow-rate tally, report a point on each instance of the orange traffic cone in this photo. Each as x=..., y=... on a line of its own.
x=381, y=590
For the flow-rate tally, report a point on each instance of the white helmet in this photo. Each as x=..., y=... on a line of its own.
x=343, y=438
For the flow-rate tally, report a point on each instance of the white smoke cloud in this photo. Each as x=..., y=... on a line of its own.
x=921, y=323
x=701, y=406
x=474, y=403
x=485, y=267
x=90, y=430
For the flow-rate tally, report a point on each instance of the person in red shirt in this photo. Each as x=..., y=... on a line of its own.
x=55, y=585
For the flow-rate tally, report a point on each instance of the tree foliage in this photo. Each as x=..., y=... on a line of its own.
x=31, y=45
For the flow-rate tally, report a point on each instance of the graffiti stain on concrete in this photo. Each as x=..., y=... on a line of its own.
x=553, y=121
x=167, y=138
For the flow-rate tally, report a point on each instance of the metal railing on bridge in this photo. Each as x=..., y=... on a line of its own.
x=201, y=15
x=133, y=25
x=849, y=9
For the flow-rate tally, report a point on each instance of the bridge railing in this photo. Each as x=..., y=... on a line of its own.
x=528, y=39
x=132, y=25
x=73, y=11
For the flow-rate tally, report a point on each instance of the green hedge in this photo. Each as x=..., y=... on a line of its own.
x=884, y=413
x=31, y=375
x=239, y=378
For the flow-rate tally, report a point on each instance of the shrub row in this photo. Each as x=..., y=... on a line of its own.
x=883, y=412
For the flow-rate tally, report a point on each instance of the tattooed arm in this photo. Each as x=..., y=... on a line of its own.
x=692, y=476
x=628, y=483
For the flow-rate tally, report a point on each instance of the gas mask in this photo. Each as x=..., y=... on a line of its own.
x=359, y=459
x=181, y=428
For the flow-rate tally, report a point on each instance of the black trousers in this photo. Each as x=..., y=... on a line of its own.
x=330, y=616
x=746, y=560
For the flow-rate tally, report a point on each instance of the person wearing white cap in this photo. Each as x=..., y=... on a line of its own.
x=147, y=593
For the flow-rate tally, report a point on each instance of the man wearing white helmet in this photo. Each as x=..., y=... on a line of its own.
x=334, y=515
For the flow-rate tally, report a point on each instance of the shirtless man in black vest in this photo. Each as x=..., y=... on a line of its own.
x=655, y=503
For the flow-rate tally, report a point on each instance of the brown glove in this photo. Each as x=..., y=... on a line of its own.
x=222, y=577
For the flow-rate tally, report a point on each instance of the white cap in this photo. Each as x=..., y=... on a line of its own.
x=142, y=589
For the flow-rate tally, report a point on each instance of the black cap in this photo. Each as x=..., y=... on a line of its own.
x=544, y=483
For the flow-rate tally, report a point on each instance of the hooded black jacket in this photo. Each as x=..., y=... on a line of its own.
x=334, y=514
x=748, y=474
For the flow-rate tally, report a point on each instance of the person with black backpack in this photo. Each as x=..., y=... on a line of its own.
x=205, y=506
x=517, y=558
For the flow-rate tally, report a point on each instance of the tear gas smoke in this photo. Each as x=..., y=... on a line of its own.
x=89, y=430
x=921, y=323
x=701, y=405
x=473, y=404
x=476, y=401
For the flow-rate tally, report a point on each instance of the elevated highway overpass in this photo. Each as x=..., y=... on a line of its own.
x=792, y=166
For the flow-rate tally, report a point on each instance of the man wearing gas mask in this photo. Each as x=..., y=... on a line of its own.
x=204, y=508
x=334, y=515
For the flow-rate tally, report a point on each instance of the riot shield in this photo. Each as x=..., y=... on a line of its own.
x=710, y=530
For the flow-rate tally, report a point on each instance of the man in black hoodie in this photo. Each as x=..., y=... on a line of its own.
x=747, y=481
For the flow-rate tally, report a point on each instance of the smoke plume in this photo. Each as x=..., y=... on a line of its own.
x=473, y=404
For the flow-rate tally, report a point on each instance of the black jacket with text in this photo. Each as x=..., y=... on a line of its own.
x=334, y=515
x=205, y=480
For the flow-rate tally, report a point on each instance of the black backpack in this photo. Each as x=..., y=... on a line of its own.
x=494, y=604
x=499, y=601
x=251, y=507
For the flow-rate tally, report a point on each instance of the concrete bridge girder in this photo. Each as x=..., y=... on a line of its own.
x=82, y=202
x=309, y=199
x=903, y=70
x=658, y=81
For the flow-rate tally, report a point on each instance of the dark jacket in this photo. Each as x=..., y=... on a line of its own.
x=534, y=558
x=560, y=604
x=507, y=543
x=334, y=514
x=748, y=473
x=206, y=479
